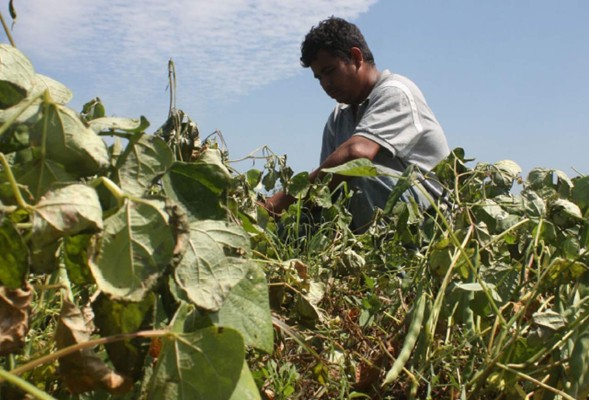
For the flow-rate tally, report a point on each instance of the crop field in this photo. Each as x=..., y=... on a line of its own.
x=146, y=269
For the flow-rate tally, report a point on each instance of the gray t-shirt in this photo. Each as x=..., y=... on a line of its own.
x=396, y=116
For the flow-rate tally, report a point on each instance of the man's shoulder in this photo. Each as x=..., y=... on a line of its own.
x=390, y=83
x=387, y=75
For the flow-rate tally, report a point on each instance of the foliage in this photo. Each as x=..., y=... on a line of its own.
x=148, y=269
x=126, y=248
x=483, y=296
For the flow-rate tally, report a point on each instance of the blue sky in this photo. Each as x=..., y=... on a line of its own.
x=506, y=79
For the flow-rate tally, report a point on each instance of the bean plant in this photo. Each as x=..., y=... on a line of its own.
x=138, y=265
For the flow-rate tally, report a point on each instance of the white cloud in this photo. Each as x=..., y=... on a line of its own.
x=222, y=49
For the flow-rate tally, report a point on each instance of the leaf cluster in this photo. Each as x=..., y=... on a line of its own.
x=130, y=247
x=483, y=295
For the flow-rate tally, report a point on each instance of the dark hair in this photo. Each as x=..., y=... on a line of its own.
x=337, y=36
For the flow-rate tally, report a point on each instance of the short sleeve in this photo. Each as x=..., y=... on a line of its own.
x=391, y=119
x=328, y=141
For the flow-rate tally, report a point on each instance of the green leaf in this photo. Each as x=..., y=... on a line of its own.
x=14, y=257
x=359, y=167
x=549, y=319
x=68, y=210
x=503, y=174
x=269, y=180
x=203, y=365
x=75, y=258
x=321, y=196
x=405, y=181
x=59, y=93
x=246, y=388
x=440, y=257
x=212, y=265
x=145, y=159
x=198, y=187
x=16, y=76
x=247, y=310
x=307, y=304
x=509, y=169
x=547, y=180
x=477, y=287
x=253, y=177
x=92, y=110
x=113, y=317
x=15, y=138
x=22, y=114
x=492, y=214
x=39, y=176
x=451, y=167
x=62, y=137
x=136, y=246
x=562, y=270
x=565, y=213
x=505, y=278
x=299, y=185
x=580, y=193
x=17, y=135
x=579, y=363
x=534, y=205
x=539, y=177
x=106, y=124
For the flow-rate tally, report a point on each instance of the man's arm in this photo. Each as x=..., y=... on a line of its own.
x=352, y=149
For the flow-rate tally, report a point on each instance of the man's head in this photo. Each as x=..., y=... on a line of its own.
x=340, y=59
x=336, y=36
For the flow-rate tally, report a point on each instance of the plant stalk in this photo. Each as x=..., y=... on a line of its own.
x=24, y=385
x=7, y=30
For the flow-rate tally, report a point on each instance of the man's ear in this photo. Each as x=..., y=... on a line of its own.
x=356, y=56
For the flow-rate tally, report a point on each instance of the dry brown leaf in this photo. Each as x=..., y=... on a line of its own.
x=15, y=307
x=83, y=371
x=367, y=374
x=301, y=268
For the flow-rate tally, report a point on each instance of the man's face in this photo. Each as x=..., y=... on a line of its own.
x=337, y=77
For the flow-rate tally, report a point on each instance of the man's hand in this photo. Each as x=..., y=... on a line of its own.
x=276, y=204
x=354, y=148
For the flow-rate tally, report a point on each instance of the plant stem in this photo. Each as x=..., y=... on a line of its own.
x=24, y=385
x=13, y=185
x=7, y=30
x=89, y=344
x=112, y=187
x=536, y=382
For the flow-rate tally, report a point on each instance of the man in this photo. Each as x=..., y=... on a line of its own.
x=380, y=116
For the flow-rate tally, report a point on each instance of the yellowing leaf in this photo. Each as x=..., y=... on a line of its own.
x=68, y=210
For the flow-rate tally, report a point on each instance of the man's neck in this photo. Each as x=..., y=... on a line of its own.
x=369, y=79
